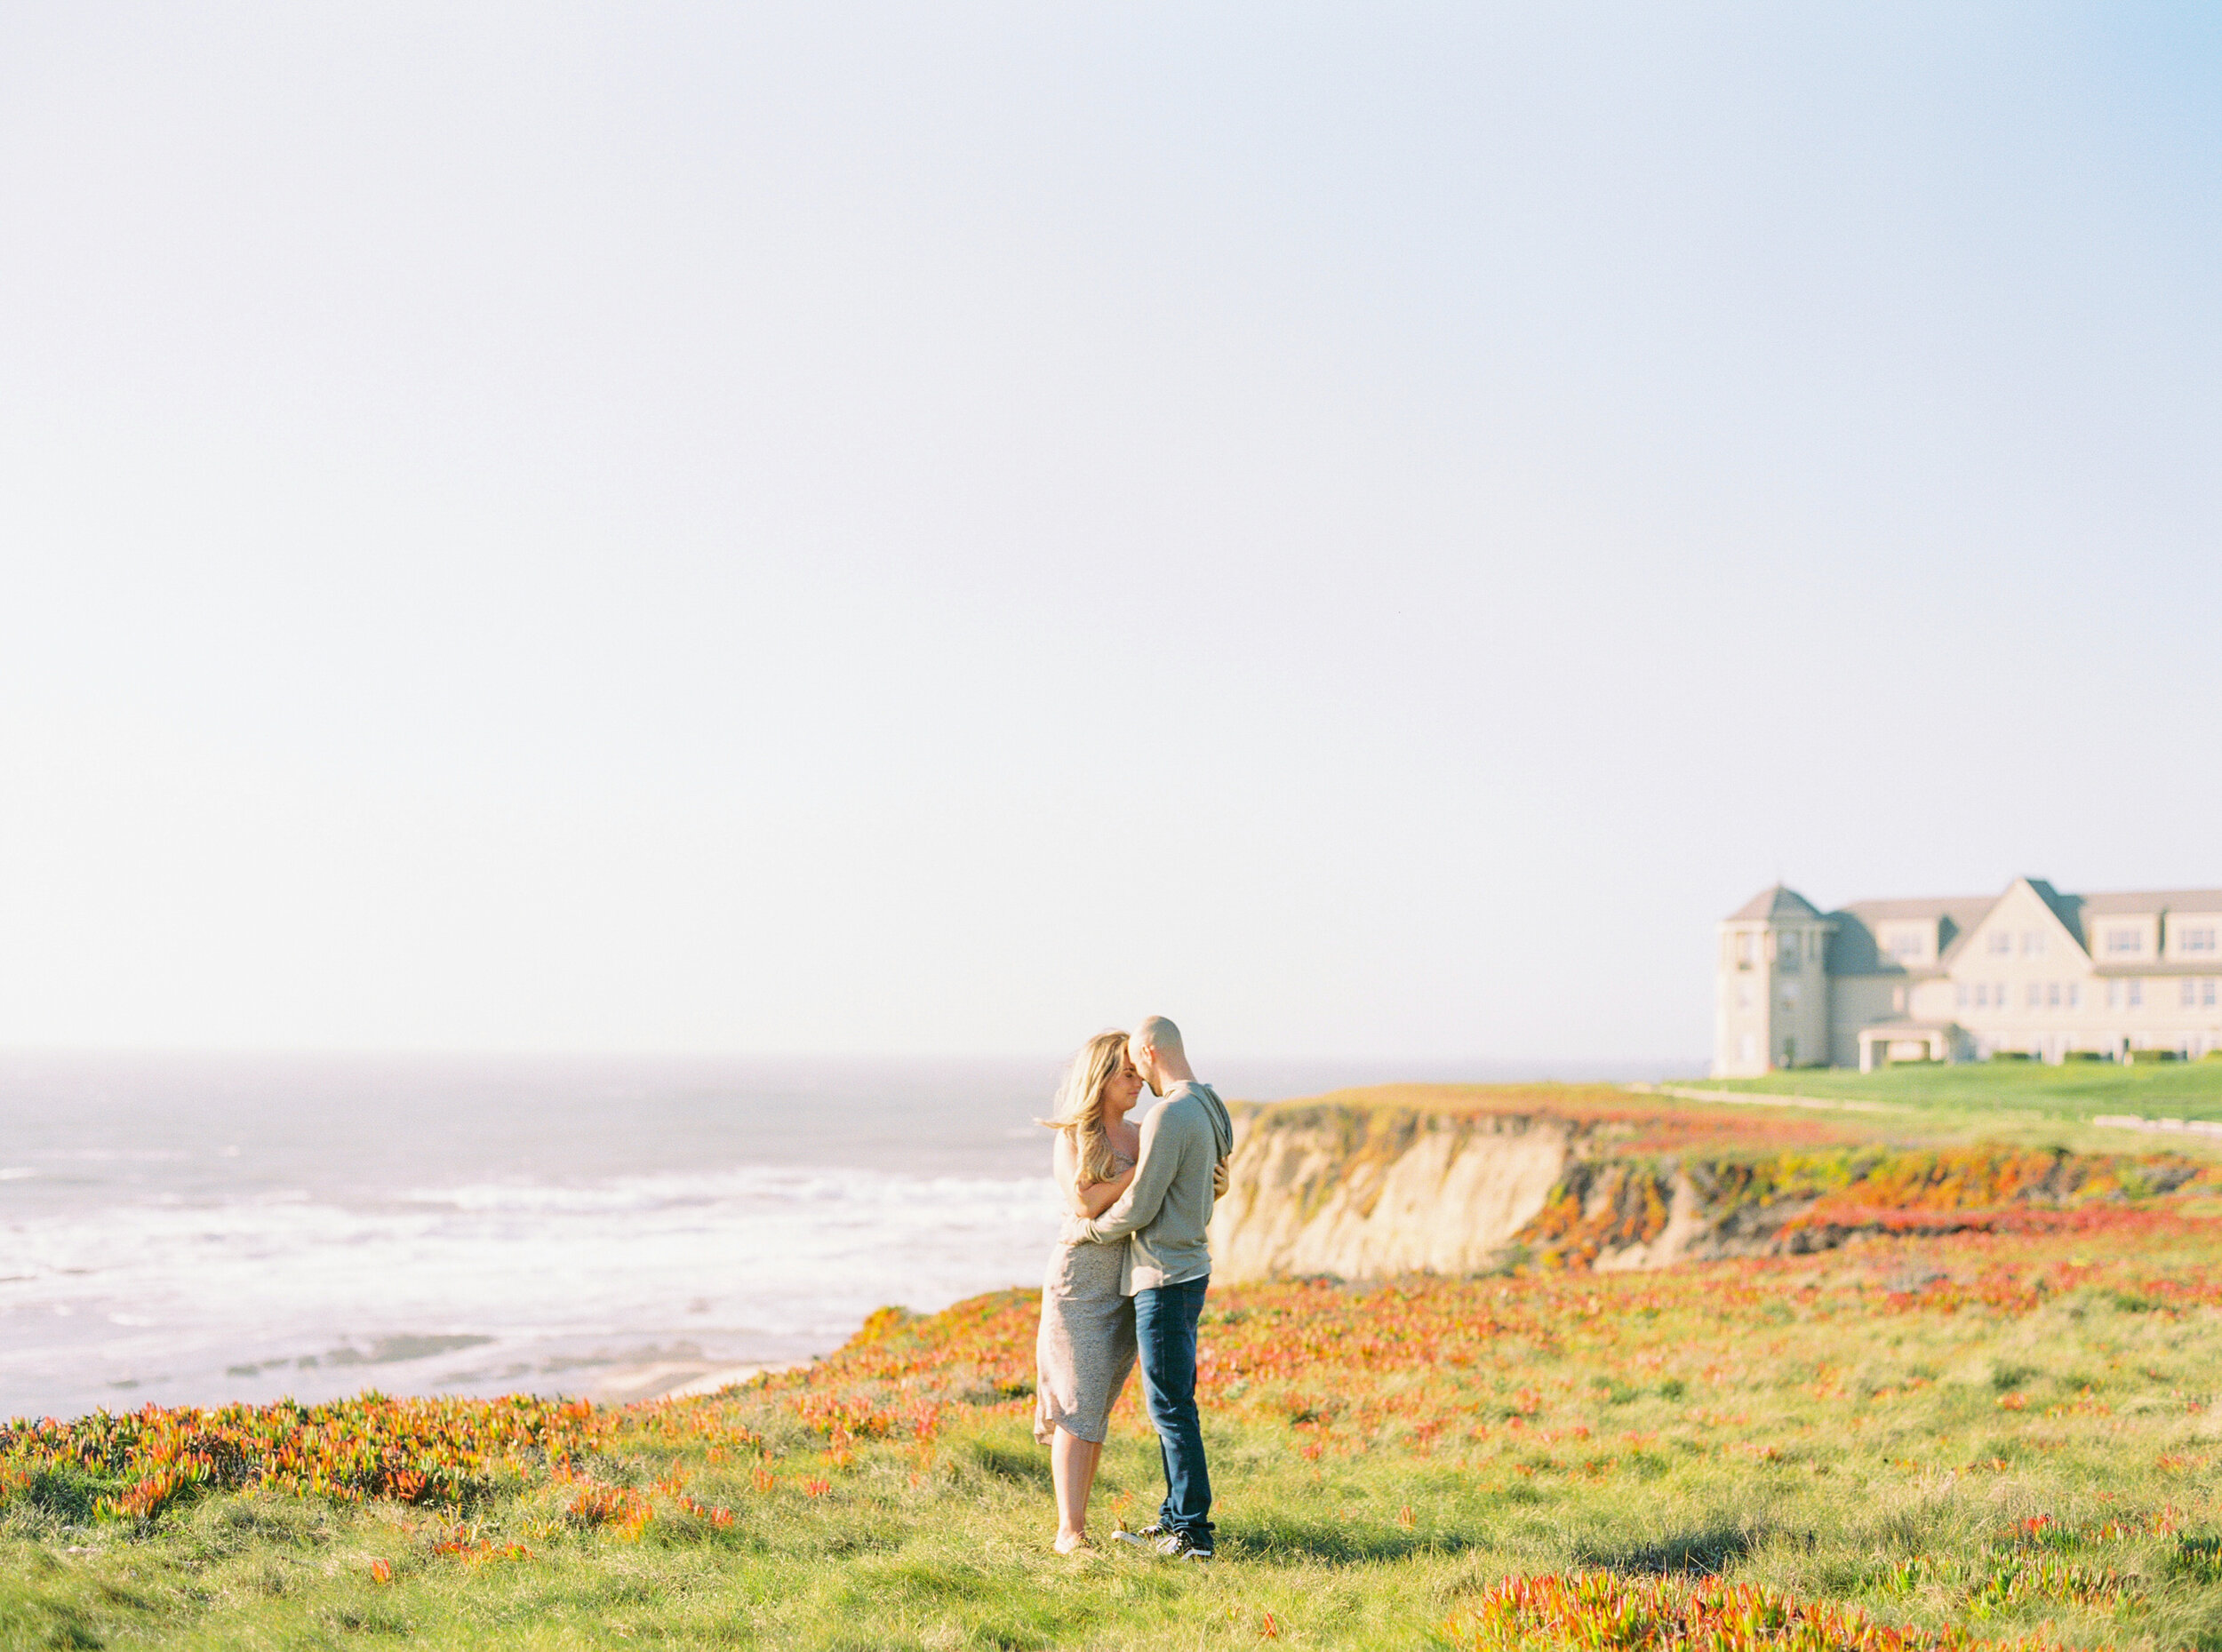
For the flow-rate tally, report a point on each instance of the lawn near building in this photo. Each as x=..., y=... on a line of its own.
x=2000, y=1436
x=2069, y=1090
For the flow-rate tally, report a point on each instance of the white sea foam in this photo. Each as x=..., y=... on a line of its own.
x=194, y=1230
x=206, y=1301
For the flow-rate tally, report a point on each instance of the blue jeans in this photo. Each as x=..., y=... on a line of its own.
x=1164, y=1330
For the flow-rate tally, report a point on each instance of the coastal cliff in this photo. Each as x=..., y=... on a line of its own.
x=1474, y=1179
x=1360, y=1192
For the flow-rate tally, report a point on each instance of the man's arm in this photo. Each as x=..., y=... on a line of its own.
x=1137, y=1207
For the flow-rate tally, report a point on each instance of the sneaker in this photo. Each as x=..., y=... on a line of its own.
x=1145, y=1538
x=1181, y=1545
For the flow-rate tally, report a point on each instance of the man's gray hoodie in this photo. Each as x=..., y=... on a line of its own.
x=1168, y=1204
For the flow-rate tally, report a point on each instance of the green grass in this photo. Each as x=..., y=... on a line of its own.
x=959, y=1562
x=2075, y=1089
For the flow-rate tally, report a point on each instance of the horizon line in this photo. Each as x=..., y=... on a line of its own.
x=11, y=1051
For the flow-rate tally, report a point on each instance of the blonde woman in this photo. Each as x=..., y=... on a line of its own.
x=1085, y=1350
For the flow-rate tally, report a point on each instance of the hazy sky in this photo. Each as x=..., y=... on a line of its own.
x=1365, y=529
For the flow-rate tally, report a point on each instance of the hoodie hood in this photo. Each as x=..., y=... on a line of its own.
x=1214, y=1109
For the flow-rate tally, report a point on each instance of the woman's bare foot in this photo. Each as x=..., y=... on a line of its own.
x=1074, y=1542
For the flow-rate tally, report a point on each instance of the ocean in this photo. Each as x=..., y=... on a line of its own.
x=205, y=1229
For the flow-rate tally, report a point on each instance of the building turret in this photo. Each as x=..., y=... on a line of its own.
x=1771, y=1006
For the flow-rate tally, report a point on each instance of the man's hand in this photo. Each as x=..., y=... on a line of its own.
x=1218, y=1179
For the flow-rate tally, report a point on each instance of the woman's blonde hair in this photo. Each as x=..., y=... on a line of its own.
x=1079, y=1108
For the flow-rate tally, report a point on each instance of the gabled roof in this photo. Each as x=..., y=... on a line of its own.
x=2067, y=908
x=1781, y=901
x=1853, y=950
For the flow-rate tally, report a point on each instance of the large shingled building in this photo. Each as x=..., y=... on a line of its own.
x=1962, y=978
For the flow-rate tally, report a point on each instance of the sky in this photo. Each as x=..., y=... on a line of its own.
x=896, y=530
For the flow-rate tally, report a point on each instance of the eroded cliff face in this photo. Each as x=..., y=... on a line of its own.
x=1365, y=1191
x=1361, y=1193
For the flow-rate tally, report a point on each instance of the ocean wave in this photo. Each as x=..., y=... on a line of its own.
x=748, y=1262
x=765, y=1185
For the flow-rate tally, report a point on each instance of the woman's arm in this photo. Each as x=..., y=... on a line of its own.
x=1064, y=1171
x=1092, y=1198
x=1098, y=1197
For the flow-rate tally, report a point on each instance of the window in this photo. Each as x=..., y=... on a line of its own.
x=2033, y=942
x=2191, y=992
x=1747, y=950
x=1906, y=945
x=2199, y=941
x=2113, y=995
x=2001, y=944
x=2074, y=994
x=2126, y=943
x=1964, y=994
x=2206, y=992
x=1789, y=994
x=2036, y=996
x=1787, y=952
x=2137, y=994
x=2051, y=994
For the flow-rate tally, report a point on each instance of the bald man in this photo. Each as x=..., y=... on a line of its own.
x=1162, y=1216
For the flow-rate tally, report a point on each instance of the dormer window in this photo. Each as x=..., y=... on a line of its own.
x=2198, y=940
x=1907, y=945
x=1788, y=951
x=2125, y=943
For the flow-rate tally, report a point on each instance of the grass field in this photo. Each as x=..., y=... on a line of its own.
x=1998, y=1437
x=2073, y=1089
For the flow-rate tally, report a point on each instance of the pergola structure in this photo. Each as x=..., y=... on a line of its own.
x=1887, y=1041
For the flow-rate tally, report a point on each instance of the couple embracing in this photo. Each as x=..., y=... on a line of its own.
x=1128, y=1275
